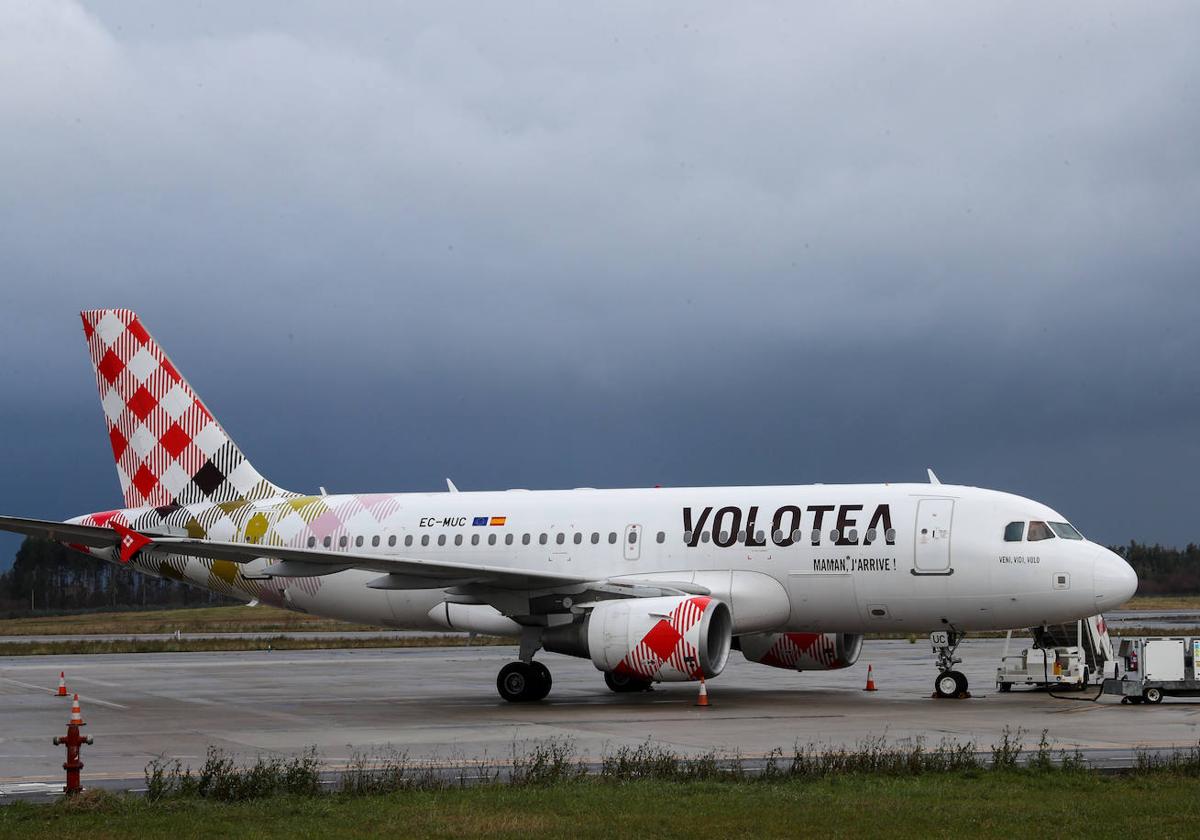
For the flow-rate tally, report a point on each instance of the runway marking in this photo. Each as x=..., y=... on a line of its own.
x=85, y=699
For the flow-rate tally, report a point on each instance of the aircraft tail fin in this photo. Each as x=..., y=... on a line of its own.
x=168, y=447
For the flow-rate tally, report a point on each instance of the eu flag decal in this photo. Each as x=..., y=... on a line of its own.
x=479, y=520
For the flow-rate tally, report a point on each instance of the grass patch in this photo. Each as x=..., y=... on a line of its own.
x=238, y=619
x=1001, y=804
x=1183, y=603
x=217, y=643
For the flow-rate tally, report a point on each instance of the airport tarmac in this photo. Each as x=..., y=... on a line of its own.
x=440, y=705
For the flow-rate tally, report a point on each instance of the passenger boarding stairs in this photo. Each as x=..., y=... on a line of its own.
x=1090, y=635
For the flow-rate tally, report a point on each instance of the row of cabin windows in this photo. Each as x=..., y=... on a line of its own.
x=560, y=538
x=796, y=536
x=1015, y=531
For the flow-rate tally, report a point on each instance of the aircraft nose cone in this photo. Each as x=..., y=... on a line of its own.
x=1114, y=581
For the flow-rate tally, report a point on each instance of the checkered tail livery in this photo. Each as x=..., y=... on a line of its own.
x=168, y=447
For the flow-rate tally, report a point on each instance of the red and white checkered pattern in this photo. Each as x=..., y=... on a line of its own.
x=804, y=652
x=670, y=645
x=168, y=447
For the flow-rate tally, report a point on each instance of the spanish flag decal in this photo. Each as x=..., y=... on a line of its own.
x=499, y=520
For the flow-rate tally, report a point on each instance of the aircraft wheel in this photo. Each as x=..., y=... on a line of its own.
x=1153, y=695
x=623, y=683
x=946, y=685
x=517, y=682
x=542, y=681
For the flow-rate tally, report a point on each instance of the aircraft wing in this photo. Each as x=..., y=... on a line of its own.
x=296, y=562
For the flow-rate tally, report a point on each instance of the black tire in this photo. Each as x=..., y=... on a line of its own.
x=516, y=682
x=961, y=680
x=1083, y=685
x=1005, y=687
x=623, y=683
x=1153, y=695
x=946, y=684
x=542, y=681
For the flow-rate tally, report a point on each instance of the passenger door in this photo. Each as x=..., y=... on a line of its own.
x=932, y=551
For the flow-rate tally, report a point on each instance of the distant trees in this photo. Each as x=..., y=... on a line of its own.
x=48, y=577
x=1162, y=570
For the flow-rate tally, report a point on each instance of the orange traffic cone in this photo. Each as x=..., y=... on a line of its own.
x=702, y=698
x=870, y=680
x=76, y=716
x=62, y=684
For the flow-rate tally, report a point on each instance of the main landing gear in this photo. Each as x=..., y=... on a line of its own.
x=623, y=683
x=949, y=683
x=526, y=681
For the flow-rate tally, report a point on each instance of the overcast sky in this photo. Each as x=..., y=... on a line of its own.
x=550, y=245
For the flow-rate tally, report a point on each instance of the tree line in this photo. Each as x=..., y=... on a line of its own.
x=48, y=577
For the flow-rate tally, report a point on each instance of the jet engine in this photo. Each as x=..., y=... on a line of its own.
x=666, y=639
x=802, y=651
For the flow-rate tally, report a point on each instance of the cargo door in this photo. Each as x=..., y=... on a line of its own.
x=932, y=551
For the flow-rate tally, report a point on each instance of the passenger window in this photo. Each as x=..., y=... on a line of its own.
x=326, y=542
x=508, y=539
x=425, y=539
x=632, y=537
x=524, y=539
x=704, y=536
x=441, y=539
x=561, y=538
x=816, y=537
x=542, y=539
x=474, y=539
x=741, y=536
x=834, y=536
x=408, y=540
x=595, y=537
x=342, y=542
x=312, y=541
x=392, y=540
x=870, y=535
x=777, y=535
x=375, y=540
x=578, y=537
x=662, y=537
x=852, y=535
x=358, y=541
x=890, y=535
x=758, y=537
x=1014, y=531
x=1039, y=531
x=491, y=539
x=612, y=537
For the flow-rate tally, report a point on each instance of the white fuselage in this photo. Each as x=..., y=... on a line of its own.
x=822, y=558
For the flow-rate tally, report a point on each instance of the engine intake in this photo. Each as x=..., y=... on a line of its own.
x=667, y=639
x=802, y=651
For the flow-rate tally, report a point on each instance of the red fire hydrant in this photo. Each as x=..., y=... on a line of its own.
x=73, y=741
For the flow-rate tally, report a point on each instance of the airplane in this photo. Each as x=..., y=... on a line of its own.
x=652, y=585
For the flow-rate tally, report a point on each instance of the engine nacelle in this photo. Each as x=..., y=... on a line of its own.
x=667, y=639
x=802, y=651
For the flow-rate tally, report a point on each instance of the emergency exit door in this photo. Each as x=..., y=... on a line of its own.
x=932, y=551
x=633, y=542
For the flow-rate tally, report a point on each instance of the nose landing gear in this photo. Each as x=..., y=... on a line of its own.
x=949, y=684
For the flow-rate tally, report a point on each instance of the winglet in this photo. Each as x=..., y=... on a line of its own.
x=933, y=479
x=450, y=486
x=131, y=541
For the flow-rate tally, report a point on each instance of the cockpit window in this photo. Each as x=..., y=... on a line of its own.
x=1066, y=531
x=1039, y=531
x=1014, y=531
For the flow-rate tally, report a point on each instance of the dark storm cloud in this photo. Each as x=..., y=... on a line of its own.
x=546, y=246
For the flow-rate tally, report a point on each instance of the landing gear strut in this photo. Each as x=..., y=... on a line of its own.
x=949, y=682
